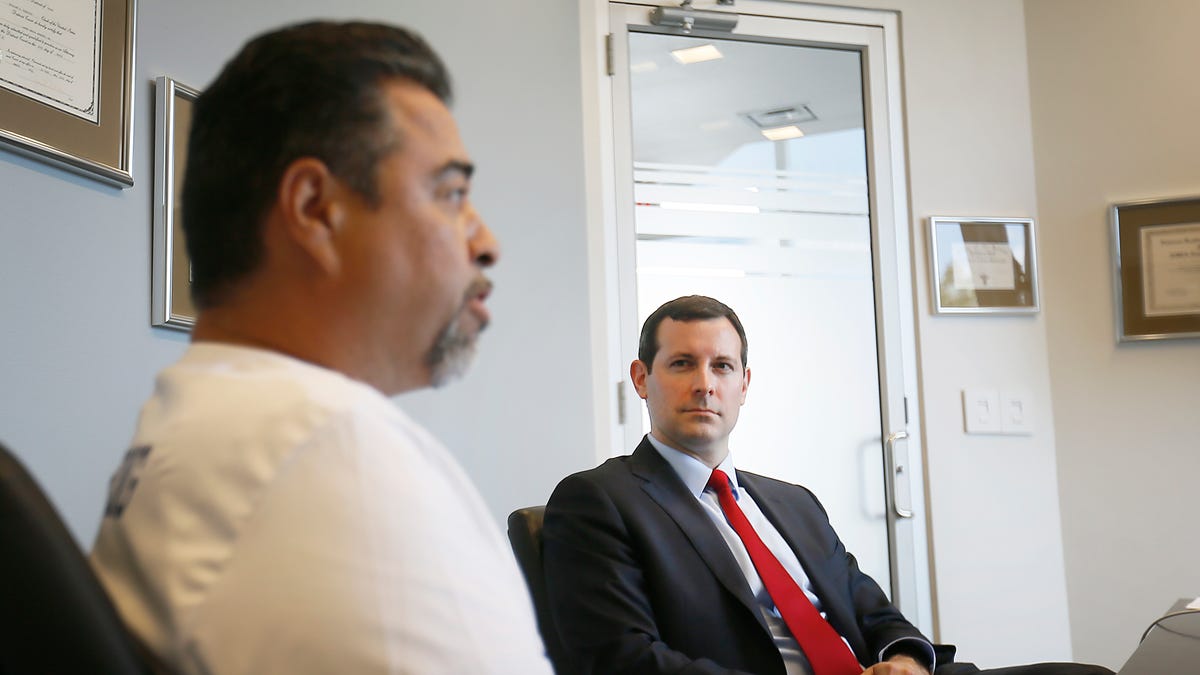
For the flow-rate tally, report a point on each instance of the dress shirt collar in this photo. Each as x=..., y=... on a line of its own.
x=691, y=471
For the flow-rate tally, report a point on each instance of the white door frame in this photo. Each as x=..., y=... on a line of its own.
x=613, y=323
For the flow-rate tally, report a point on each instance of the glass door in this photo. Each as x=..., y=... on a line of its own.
x=749, y=169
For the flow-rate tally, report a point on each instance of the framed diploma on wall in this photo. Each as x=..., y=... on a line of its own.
x=983, y=265
x=1156, y=268
x=66, y=95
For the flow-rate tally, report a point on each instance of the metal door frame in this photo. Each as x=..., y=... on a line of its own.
x=611, y=241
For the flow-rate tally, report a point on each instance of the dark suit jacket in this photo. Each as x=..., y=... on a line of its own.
x=639, y=579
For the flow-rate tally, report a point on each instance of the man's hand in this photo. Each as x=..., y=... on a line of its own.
x=899, y=664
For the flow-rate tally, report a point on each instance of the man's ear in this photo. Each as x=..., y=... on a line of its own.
x=310, y=200
x=745, y=384
x=638, y=373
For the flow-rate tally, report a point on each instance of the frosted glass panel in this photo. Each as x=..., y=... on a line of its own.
x=780, y=231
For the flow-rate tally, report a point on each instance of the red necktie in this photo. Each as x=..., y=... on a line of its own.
x=823, y=647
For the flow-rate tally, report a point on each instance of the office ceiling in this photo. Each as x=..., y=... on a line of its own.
x=697, y=114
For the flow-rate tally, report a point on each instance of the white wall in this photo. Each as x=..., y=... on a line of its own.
x=77, y=354
x=1000, y=589
x=1115, y=112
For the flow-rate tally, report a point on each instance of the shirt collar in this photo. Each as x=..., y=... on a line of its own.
x=691, y=471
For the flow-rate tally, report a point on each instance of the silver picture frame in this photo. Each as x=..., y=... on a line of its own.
x=102, y=149
x=171, y=301
x=1156, y=268
x=983, y=265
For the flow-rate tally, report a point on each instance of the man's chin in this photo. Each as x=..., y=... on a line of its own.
x=452, y=363
x=702, y=428
x=455, y=347
x=698, y=434
x=452, y=354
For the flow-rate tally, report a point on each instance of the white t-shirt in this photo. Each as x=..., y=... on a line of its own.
x=273, y=516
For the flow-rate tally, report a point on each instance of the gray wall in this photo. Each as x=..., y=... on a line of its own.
x=77, y=354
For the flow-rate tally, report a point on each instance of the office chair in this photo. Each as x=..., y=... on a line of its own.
x=525, y=536
x=55, y=617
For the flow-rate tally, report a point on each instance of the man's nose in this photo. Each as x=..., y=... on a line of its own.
x=703, y=381
x=485, y=249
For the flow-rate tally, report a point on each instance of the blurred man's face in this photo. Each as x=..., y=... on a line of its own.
x=414, y=263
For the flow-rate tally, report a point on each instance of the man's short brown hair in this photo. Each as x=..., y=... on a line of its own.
x=686, y=308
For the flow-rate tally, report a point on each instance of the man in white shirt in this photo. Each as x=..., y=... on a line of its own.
x=276, y=513
x=672, y=560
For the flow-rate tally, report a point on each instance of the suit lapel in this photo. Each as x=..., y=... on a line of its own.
x=662, y=484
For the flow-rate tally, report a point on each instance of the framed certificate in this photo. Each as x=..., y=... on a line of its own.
x=66, y=95
x=983, y=265
x=1156, y=268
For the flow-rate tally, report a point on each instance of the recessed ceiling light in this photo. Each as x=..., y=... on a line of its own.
x=643, y=67
x=697, y=54
x=783, y=133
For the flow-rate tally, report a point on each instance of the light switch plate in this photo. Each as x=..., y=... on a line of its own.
x=981, y=411
x=1016, y=413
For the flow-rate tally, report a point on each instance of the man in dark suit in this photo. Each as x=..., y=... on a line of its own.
x=670, y=560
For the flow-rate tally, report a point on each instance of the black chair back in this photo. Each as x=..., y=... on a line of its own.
x=55, y=616
x=525, y=535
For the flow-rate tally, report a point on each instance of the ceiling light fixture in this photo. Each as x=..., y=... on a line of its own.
x=697, y=54
x=783, y=133
x=781, y=122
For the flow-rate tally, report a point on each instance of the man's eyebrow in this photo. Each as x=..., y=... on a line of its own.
x=455, y=166
x=716, y=357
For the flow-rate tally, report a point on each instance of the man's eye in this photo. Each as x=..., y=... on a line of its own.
x=455, y=195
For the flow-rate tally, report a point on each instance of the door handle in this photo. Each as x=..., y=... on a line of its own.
x=889, y=483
